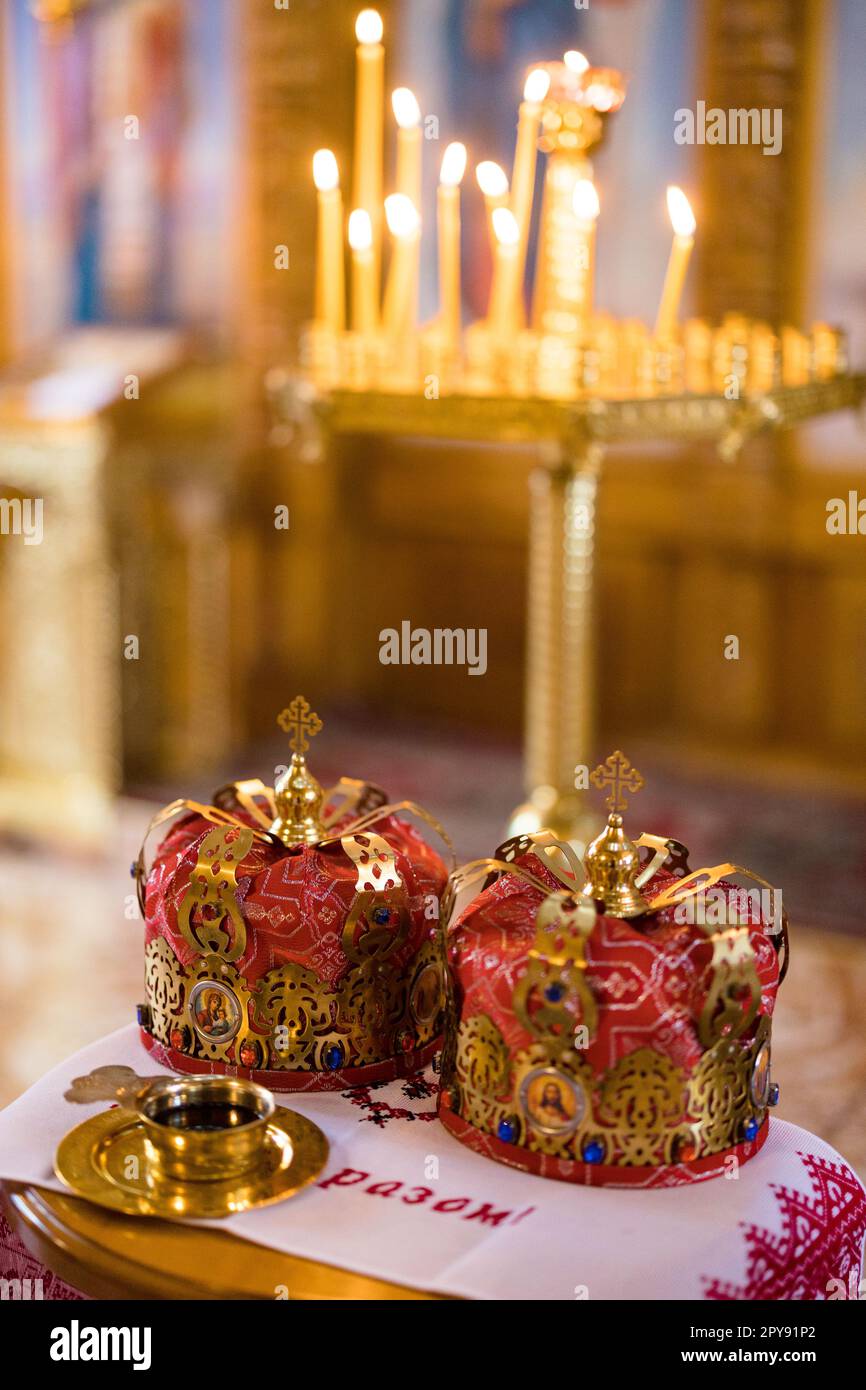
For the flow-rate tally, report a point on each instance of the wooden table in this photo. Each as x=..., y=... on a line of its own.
x=107, y=1255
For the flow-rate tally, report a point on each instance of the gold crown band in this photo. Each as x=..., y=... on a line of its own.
x=644, y=1111
x=289, y=1019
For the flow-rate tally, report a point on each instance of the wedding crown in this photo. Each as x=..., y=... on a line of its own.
x=290, y=934
x=610, y=1021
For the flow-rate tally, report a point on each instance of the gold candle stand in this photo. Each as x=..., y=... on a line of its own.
x=572, y=437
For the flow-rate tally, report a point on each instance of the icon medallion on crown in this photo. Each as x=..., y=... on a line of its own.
x=291, y=933
x=609, y=1021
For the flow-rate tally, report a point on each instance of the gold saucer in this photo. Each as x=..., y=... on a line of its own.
x=105, y=1159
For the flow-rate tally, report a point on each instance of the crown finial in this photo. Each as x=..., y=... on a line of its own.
x=617, y=773
x=297, y=794
x=611, y=861
x=301, y=722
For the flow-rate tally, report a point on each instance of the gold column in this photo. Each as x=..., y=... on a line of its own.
x=560, y=681
x=558, y=286
x=59, y=686
x=296, y=76
x=198, y=506
x=756, y=222
x=6, y=220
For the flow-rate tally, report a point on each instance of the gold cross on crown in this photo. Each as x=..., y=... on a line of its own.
x=617, y=773
x=301, y=723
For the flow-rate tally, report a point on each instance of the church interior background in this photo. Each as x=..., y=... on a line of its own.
x=144, y=324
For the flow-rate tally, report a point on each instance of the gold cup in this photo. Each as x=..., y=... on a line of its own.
x=205, y=1128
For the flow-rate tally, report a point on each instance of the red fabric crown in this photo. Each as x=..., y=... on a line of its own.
x=308, y=967
x=672, y=1074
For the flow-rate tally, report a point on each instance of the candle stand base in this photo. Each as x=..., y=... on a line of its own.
x=571, y=436
x=565, y=814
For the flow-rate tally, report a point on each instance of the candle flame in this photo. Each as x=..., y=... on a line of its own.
x=576, y=61
x=453, y=164
x=360, y=230
x=537, y=85
x=326, y=175
x=407, y=112
x=585, y=200
x=505, y=227
x=401, y=215
x=680, y=212
x=601, y=96
x=369, y=27
x=492, y=179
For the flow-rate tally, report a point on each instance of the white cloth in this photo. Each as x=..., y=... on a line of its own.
x=555, y=1240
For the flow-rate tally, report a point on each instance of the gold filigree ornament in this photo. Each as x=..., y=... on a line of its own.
x=553, y=999
x=209, y=917
x=164, y=988
x=645, y=1110
x=735, y=992
x=289, y=1019
x=482, y=1072
x=641, y=1100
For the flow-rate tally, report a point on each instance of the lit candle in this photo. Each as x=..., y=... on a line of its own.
x=448, y=214
x=525, y=155
x=795, y=357
x=503, y=316
x=404, y=224
x=330, y=310
x=407, y=114
x=683, y=223
x=369, y=127
x=586, y=209
x=576, y=61
x=494, y=184
x=364, y=308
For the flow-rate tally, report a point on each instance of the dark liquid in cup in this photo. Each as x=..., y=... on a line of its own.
x=215, y=1115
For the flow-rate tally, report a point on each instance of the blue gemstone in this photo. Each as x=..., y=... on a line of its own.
x=132, y=868
x=381, y=915
x=751, y=1129
x=593, y=1151
x=507, y=1131
x=142, y=1015
x=554, y=992
x=773, y=1097
x=334, y=1058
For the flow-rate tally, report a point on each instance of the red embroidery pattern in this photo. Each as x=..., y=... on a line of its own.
x=380, y=1112
x=821, y=1239
x=24, y=1276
